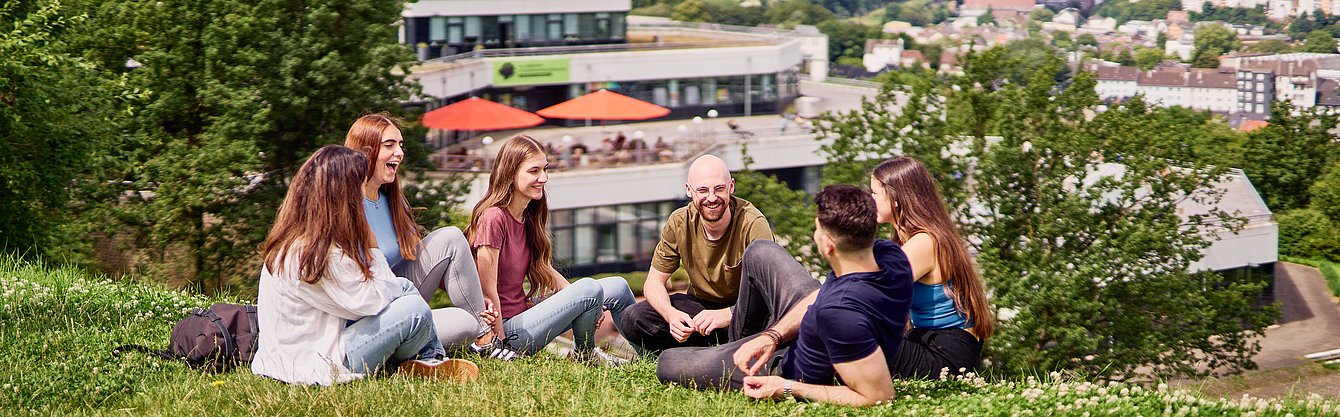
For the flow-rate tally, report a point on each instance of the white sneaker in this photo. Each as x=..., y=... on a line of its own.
x=598, y=357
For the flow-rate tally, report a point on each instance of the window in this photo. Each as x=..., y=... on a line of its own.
x=523, y=28
x=570, y=24
x=555, y=29
x=472, y=28
x=437, y=28
x=617, y=23
x=602, y=25
x=609, y=234
x=586, y=26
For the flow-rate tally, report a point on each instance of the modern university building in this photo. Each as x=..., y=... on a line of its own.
x=531, y=54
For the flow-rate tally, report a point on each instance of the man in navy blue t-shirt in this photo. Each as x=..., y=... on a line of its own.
x=793, y=337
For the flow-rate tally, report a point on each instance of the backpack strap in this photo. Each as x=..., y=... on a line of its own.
x=255, y=328
x=229, y=341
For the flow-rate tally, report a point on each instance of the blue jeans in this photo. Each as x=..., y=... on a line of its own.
x=400, y=332
x=576, y=307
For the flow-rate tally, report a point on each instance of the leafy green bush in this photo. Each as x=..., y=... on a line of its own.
x=1307, y=233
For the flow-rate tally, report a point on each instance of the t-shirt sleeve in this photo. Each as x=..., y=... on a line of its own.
x=666, y=257
x=490, y=230
x=850, y=334
x=759, y=230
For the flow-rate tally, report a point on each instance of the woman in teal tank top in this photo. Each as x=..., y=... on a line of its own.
x=950, y=315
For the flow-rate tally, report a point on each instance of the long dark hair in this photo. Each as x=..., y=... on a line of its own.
x=918, y=207
x=323, y=209
x=536, y=216
x=366, y=135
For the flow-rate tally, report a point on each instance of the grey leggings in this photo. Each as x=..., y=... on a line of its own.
x=444, y=261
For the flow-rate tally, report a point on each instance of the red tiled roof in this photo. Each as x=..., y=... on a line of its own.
x=1250, y=125
x=1193, y=77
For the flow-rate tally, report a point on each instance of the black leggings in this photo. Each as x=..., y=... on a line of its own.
x=926, y=351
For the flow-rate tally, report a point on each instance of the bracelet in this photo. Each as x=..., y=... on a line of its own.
x=774, y=335
x=786, y=389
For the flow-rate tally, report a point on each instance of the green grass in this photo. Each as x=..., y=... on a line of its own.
x=1331, y=272
x=57, y=326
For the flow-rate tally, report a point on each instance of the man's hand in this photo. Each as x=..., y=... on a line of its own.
x=708, y=320
x=761, y=387
x=757, y=351
x=681, y=325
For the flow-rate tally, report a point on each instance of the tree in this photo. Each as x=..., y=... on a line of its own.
x=1086, y=39
x=797, y=12
x=847, y=39
x=1326, y=194
x=1309, y=234
x=54, y=115
x=1269, y=46
x=1147, y=58
x=1284, y=158
x=690, y=11
x=1319, y=41
x=1211, y=42
x=1302, y=26
x=238, y=94
x=1161, y=41
x=986, y=18
x=1061, y=40
x=1125, y=58
x=790, y=212
x=1082, y=252
x=1041, y=14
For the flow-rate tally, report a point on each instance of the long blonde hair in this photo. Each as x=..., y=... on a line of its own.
x=366, y=135
x=536, y=216
x=322, y=209
x=918, y=207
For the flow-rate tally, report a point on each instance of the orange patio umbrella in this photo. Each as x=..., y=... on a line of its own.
x=604, y=105
x=475, y=113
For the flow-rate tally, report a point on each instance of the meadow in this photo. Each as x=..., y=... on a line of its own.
x=58, y=326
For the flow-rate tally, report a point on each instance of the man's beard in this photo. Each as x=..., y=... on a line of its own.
x=704, y=214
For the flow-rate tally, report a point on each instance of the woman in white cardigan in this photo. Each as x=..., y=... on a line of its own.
x=329, y=308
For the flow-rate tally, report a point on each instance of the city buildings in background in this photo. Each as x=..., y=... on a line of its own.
x=1244, y=86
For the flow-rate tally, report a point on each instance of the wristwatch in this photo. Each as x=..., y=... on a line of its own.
x=786, y=389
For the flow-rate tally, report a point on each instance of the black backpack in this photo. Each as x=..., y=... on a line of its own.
x=215, y=339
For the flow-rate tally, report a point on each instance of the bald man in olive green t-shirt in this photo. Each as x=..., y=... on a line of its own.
x=707, y=238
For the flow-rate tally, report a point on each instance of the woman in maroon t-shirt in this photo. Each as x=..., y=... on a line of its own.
x=508, y=231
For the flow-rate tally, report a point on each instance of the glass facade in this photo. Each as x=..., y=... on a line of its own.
x=621, y=237
x=685, y=97
x=438, y=36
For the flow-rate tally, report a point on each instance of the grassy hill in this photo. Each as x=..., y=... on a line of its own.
x=57, y=326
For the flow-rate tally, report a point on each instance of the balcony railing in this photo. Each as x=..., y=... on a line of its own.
x=588, y=49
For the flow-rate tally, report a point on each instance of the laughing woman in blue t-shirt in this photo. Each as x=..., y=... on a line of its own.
x=442, y=259
x=950, y=316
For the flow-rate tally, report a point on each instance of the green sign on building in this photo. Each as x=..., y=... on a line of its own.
x=530, y=71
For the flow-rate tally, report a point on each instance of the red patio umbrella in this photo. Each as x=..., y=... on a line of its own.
x=604, y=105
x=475, y=113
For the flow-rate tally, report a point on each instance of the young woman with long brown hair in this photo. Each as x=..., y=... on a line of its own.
x=329, y=306
x=509, y=230
x=950, y=315
x=442, y=259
